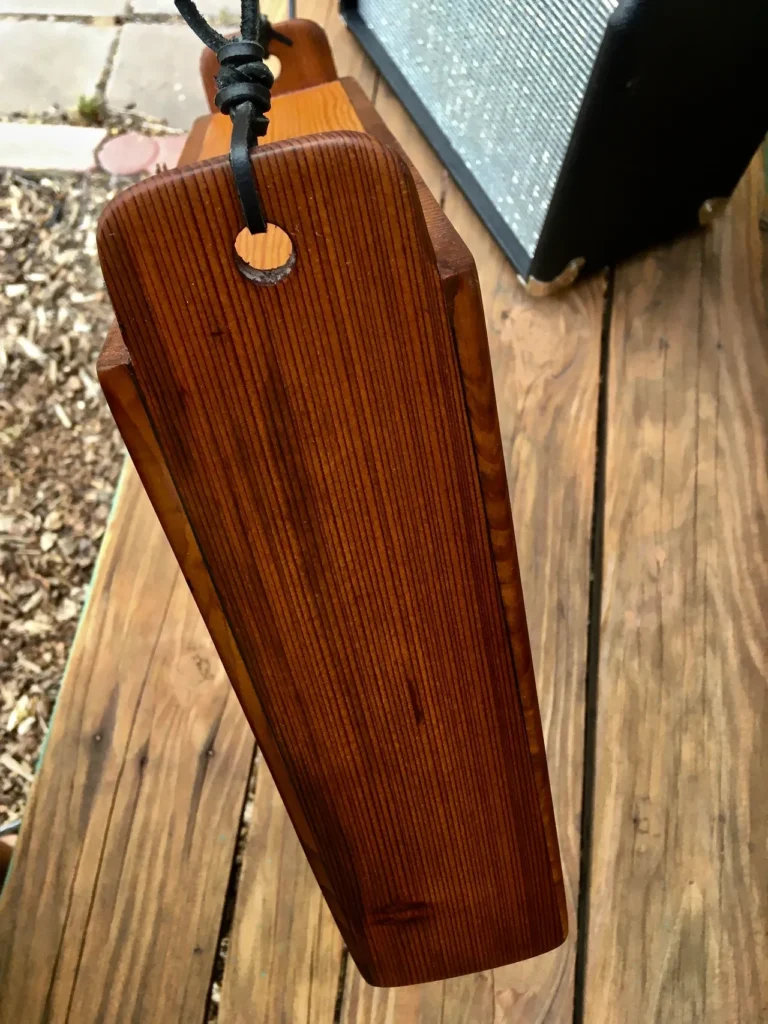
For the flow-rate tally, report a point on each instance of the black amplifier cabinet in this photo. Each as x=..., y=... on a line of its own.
x=582, y=131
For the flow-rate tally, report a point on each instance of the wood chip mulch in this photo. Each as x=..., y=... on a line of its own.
x=60, y=454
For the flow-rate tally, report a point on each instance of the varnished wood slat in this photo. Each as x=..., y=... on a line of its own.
x=275, y=937
x=678, y=903
x=430, y=1002
x=150, y=963
x=246, y=982
x=117, y=378
x=546, y=371
x=317, y=110
x=136, y=801
x=546, y=363
x=291, y=933
x=309, y=954
x=285, y=951
x=211, y=137
x=548, y=350
x=325, y=159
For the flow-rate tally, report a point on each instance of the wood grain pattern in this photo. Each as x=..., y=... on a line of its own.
x=316, y=110
x=307, y=62
x=332, y=167
x=282, y=927
x=679, y=902
x=137, y=800
x=318, y=950
x=645, y=954
x=118, y=381
x=244, y=975
x=292, y=937
x=247, y=982
x=430, y=1002
x=290, y=932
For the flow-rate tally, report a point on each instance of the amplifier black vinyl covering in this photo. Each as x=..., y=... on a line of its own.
x=674, y=104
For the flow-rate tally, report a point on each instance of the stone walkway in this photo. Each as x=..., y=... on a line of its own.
x=132, y=55
x=137, y=55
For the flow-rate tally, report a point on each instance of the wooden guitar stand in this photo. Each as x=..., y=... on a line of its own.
x=322, y=448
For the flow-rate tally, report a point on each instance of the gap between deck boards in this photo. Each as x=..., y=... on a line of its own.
x=591, y=694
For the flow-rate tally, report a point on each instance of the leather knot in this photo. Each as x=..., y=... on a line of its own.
x=244, y=78
x=243, y=85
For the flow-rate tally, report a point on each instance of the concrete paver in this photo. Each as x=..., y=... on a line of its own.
x=48, y=147
x=47, y=63
x=128, y=153
x=225, y=12
x=132, y=152
x=55, y=62
x=169, y=149
x=218, y=12
x=76, y=8
x=157, y=68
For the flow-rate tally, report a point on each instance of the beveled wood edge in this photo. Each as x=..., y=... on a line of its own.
x=463, y=297
x=118, y=381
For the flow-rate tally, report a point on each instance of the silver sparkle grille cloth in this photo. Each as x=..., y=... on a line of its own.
x=503, y=81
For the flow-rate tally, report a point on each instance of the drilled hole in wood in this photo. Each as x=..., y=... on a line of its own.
x=265, y=258
x=274, y=64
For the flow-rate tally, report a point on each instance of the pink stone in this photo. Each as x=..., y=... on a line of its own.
x=129, y=154
x=169, y=149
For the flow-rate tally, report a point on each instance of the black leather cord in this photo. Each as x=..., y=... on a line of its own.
x=243, y=85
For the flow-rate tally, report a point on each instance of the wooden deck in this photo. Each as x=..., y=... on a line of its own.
x=635, y=417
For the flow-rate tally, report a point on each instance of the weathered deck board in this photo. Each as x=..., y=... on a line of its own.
x=129, y=835
x=678, y=899
x=284, y=949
